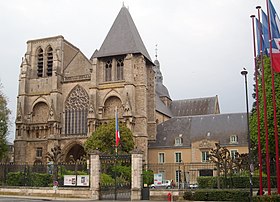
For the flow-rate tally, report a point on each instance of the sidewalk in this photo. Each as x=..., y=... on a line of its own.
x=61, y=199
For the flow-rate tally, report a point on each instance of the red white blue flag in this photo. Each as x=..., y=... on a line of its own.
x=275, y=36
x=118, y=136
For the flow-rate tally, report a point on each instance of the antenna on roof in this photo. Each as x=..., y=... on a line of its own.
x=156, y=51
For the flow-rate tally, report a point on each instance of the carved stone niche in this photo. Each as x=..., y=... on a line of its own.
x=205, y=144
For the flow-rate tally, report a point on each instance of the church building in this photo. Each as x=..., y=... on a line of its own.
x=64, y=96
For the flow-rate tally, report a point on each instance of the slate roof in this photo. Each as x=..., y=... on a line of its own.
x=197, y=106
x=123, y=38
x=217, y=127
x=161, y=107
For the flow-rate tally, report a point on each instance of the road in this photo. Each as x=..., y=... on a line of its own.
x=42, y=199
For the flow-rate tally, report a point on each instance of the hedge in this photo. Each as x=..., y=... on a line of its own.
x=217, y=195
x=32, y=179
x=233, y=182
x=227, y=195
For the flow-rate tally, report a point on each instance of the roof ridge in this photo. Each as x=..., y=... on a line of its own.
x=201, y=98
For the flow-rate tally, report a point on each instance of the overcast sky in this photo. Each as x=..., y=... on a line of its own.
x=202, y=44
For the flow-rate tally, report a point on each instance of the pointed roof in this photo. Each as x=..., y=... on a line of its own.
x=123, y=38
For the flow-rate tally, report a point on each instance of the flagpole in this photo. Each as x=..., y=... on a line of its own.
x=257, y=106
x=116, y=131
x=273, y=101
x=265, y=114
x=116, y=151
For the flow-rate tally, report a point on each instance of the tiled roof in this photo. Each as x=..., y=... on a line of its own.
x=217, y=127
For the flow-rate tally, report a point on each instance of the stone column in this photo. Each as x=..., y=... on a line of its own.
x=136, y=174
x=95, y=175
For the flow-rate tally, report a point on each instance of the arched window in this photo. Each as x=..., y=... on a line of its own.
x=108, y=70
x=120, y=69
x=76, y=112
x=49, y=61
x=40, y=63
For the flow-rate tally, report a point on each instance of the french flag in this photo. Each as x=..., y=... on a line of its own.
x=275, y=35
x=118, y=136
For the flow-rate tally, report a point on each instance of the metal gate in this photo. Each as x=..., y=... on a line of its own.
x=115, y=177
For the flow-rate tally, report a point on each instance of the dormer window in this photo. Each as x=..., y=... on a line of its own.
x=178, y=141
x=233, y=139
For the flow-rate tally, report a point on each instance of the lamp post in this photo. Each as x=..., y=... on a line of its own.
x=244, y=73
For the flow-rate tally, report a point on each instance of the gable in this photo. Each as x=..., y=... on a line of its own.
x=79, y=65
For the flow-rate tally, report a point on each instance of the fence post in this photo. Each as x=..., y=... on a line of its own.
x=95, y=174
x=136, y=174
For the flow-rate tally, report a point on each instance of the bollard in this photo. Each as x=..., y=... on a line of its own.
x=169, y=196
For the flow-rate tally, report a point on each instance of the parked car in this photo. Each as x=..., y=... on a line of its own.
x=193, y=186
x=167, y=184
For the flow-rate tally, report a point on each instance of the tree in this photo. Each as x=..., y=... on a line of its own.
x=241, y=162
x=4, y=122
x=55, y=156
x=103, y=139
x=270, y=115
x=220, y=156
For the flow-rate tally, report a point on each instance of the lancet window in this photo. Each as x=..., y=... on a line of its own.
x=120, y=69
x=108, y=70
x=49, y=61
x=40, y=63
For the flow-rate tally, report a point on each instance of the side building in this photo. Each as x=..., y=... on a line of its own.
x=181, y=149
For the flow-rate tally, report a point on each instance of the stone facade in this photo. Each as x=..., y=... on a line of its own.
x=63, y=96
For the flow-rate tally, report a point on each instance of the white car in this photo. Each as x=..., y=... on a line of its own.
x=165, y=184
x=193, y=186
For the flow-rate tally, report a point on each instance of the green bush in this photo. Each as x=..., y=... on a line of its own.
x=148, y=177
x=29, y=179
x=266, y=198
x=16, y=179
x=233, y=182
x=41, y=180
x=218, y=195
x=106, y=179
x=188, y=195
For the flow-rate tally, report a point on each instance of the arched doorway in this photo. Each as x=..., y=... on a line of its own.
x=76, y=152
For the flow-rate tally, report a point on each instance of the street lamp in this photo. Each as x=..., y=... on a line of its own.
x=244, y=73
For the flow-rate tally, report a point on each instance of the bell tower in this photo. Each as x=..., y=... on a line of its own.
x=126, y=71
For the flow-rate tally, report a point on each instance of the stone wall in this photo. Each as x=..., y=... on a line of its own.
x=47, y=192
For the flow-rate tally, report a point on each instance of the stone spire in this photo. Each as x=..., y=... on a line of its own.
x=123, y=38
x=161, y=90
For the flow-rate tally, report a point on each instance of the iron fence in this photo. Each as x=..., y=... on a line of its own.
x=182, y=174
x=115, y=177
x=39, y=175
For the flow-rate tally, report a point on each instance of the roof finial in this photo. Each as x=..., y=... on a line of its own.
x=123, y=4
x=156, y=51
